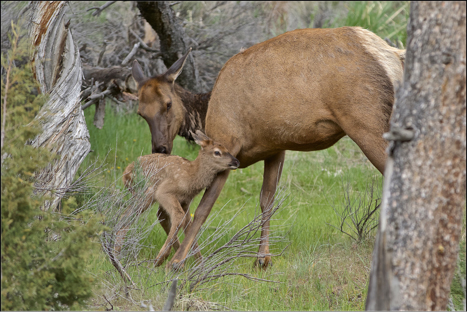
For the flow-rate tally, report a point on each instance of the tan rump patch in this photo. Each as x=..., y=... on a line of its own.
x=391, y=59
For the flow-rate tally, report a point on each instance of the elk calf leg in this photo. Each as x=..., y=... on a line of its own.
x=177, y=220
x=272, y=174
x=201, y=214
x=164, y=220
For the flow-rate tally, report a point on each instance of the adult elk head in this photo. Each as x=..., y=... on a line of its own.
x=159, y=105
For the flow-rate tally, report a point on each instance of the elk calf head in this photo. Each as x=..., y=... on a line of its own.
x=159, y=105
x=214, y=154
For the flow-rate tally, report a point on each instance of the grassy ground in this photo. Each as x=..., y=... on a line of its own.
x=322, y=269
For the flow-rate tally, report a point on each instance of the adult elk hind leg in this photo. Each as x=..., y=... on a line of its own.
x=368, y=135
x=272, y=174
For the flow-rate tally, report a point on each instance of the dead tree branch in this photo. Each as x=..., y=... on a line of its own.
x=171, y=297
x=57, y=68
x=131, y=54
x=144, y=45
x=173, y=39
x=4, y=113
x=98, y=10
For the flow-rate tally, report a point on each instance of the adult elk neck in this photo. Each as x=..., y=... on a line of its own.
x=195, y=108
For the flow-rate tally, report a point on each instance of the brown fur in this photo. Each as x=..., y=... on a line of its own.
x=174, y=182
x=196, y=107
x=187, y=111
x=305, y=90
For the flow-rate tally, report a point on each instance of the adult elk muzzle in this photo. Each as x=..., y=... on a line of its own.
x=159, y=134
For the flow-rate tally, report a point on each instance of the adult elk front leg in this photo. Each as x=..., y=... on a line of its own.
x=272, y=174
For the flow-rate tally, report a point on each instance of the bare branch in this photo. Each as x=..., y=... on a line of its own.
x=102, y=53
x=111, y=305
x=132, y=53
x=114, y=261
x=171, y=298
x=93, y=98
x=100, y=9
x=144, y=45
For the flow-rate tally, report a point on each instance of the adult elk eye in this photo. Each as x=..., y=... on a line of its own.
x=217, y=153
x=169, y=105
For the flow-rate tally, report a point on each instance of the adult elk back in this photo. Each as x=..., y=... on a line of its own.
x=302, y=90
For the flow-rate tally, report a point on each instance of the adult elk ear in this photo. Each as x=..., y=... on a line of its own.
x=137, y=73
x=174, y=71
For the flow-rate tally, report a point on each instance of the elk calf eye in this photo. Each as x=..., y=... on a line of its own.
x=217, y=153
x=169, y=105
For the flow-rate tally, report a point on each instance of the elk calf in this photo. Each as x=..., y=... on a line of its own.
x=174, y=182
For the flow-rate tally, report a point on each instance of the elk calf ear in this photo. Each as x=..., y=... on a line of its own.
x=201, y=139
x=200, y=134
x=137, y=73
x=174, y=71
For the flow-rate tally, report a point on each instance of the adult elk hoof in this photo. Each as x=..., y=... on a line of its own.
x=263, y=263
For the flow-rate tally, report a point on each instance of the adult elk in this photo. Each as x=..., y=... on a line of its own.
x=302, y=90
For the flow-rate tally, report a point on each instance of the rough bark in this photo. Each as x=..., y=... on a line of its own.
x=416, y=250
x=57, y=68
x=173, y=39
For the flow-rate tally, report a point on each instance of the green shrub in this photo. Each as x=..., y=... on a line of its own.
x=43, y=253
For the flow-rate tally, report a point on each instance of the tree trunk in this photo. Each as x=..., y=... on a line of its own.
x=416, y=249
x=57, y=68
x=173, y=39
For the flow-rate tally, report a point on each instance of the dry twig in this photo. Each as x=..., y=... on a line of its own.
x=98, y=10
x=132, y=53
x=361, y=212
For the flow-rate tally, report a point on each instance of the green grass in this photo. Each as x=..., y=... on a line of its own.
x=321, y=269
x=387, y=19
